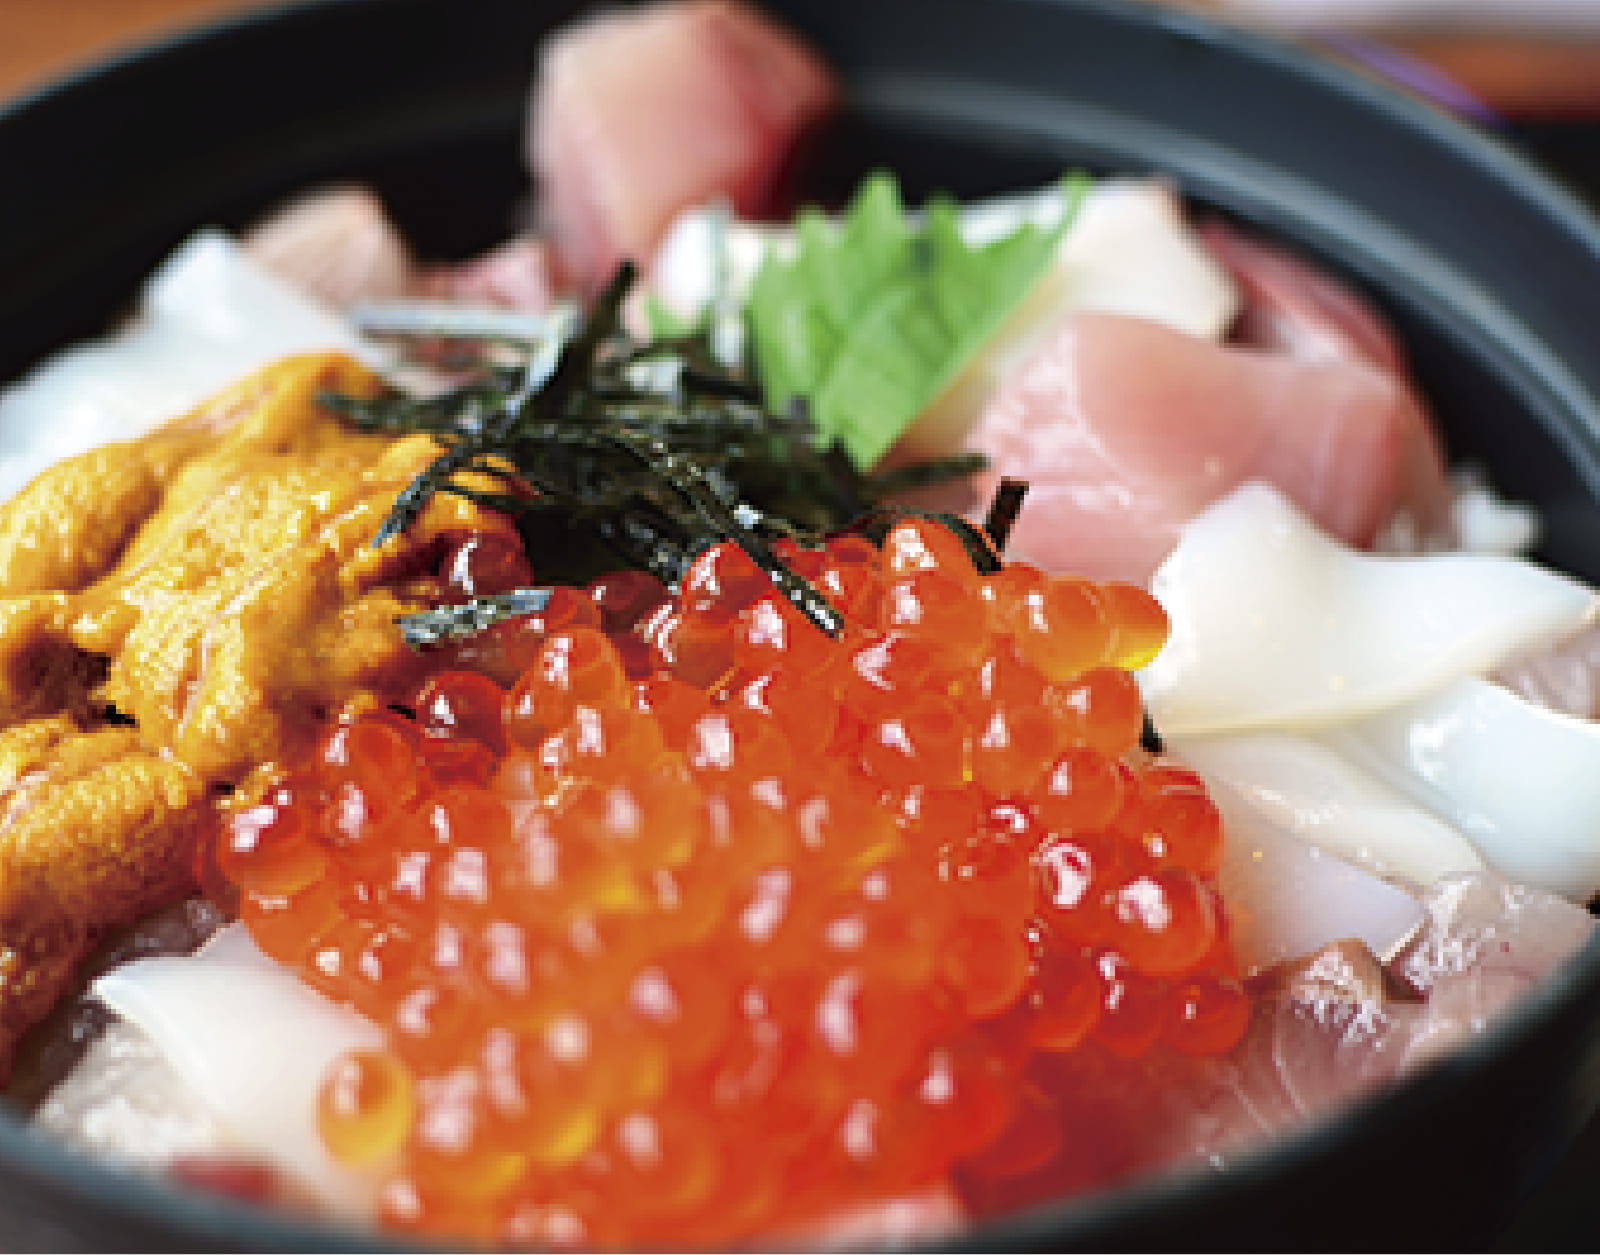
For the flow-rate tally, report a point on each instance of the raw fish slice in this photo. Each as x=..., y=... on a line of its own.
x=338, y=246
x=253, y=1044
x=1480, y=922
x=639, y=114
x=1315, y=795
x=1292, y=809
x=514, y=275
x=1126, y=430
x=1329, y=1029
x=1327, y=1034
x=1293, y=308
x=1277, y=625
x=209, y=316
x=335, y=245
x=1520, y=781
x=125, y=1101
x=1564, y=678
x=1487, y=944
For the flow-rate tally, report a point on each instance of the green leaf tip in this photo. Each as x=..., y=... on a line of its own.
x=871, y=317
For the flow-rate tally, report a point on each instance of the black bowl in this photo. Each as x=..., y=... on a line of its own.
x=1491, y=273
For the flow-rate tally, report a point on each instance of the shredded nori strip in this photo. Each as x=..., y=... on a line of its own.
x=637, y=454
x=456, y=621
x=1003, y=510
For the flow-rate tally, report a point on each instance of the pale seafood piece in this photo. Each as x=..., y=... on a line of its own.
x=209, y=315
x=1520, y=781
x=1335, y=1026
x=638, y=114
x=252, y=1043
x=1320, y=1037
x=1275, y=624
x=336, y=245
x=123, y=1100
x=1311, y=842
x=1323, y=797
x=1132, y=251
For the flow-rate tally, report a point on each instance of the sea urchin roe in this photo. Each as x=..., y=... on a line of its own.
x=772, y=926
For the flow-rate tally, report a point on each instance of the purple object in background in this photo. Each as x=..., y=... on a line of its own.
x=1406, y=71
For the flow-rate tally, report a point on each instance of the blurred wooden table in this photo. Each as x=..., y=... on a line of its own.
x=40, y=39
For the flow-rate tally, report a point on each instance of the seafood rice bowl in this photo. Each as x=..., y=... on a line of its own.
x=717, y=625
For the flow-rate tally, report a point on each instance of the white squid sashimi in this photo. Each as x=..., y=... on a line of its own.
x=253, y=1043
x=1293, y=872
x=1130, y=250
x=209, y=316
x=1277, y=625
x=1321, y=797
x=1522, y=782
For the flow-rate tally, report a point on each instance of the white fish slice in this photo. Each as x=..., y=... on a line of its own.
x=1309, y=842
x=1277, y=625
x=1321, y=797
x=1520, y=781
x=253, y=1044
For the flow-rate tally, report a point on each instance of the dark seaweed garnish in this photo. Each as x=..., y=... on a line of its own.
x=1004, y=507
x=609, y=452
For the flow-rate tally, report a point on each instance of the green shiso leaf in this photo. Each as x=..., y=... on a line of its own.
x=871, y=317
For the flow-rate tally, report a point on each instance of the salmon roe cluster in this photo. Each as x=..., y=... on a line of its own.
x=686, y=922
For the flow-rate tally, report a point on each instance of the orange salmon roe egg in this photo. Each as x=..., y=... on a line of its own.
x=685, y=922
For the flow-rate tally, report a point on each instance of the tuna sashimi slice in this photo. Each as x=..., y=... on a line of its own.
x=1125, y=430
x=1293, y=308
x=639, y=114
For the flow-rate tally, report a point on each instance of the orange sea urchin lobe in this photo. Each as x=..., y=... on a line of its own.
x=709, y=924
